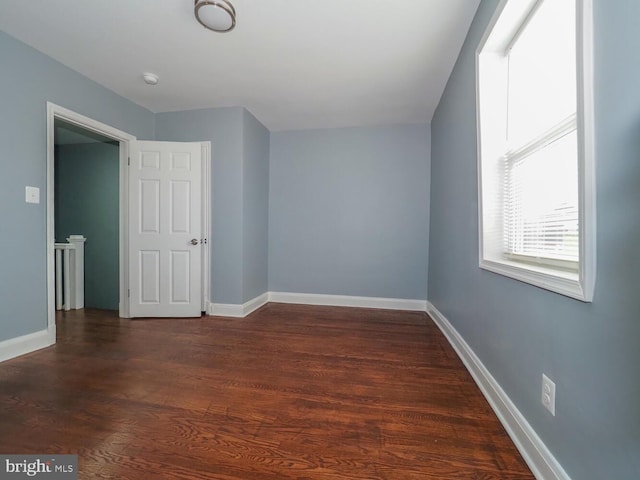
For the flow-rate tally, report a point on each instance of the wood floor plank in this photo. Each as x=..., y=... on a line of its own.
x=290, y=392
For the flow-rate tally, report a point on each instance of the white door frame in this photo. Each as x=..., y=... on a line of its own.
x=55, y=111
x=206, y=224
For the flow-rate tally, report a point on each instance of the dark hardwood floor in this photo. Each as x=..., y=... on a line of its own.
x=290, y=392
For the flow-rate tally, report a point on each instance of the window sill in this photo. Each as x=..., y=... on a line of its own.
x=558, y=281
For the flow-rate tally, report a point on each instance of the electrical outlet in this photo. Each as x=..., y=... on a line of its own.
x=549, y=394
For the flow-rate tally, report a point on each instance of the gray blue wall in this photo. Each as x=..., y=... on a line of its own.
x=87, y=202
x=29, y=79
x=519, y=331
x=349, y=211
x=255, y=217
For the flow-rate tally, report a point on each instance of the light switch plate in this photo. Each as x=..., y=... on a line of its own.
x=549, y=394
x=32, y=194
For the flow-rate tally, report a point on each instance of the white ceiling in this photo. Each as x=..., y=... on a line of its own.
x=295, y=64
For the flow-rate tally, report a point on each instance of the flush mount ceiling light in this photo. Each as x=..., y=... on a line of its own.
x=216, y=15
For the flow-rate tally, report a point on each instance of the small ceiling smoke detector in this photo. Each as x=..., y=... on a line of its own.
x=150, y=78
x=216, y=15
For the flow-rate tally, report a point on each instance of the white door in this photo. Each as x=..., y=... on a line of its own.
x=164, y=229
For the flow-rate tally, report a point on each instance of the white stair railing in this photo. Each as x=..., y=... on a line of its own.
x=70, y=273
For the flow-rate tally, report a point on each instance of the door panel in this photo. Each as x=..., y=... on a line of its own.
x=180, y=274
x=150, y=206
x=164, y=218
x=180, y=206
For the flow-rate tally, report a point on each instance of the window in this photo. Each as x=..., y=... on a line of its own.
x=535, y=145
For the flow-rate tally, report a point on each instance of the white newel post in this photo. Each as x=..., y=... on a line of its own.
x=69, y=258
x=68, y=280
x=58, y=277
x=77, y=266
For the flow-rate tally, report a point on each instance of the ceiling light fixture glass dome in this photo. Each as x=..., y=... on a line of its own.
x=216, y=15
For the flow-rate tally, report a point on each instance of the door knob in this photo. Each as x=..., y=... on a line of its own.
x=194, y=241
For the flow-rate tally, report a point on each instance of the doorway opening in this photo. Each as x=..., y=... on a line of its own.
x=86, y=203
x=79, y=124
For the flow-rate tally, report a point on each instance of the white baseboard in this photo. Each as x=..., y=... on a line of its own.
x=241, y=311
x=14, y=347
x=225, y=310
x=254, y=304
x=348, y=301
x=540, y=460
x=235, y=310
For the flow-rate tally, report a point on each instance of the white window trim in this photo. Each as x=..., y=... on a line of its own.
x=578, y=285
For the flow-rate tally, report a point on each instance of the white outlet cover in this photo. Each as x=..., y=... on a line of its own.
x=32, y=194
x=549, y=394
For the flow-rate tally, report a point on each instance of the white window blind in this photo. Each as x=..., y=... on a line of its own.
x=541, y=202
x=541, y=172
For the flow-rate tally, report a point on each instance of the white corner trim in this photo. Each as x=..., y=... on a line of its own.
x=225, y=310
x=348, y=301
x=235, y=310
x=14, y=347
x=540, y=460
x=254, y=304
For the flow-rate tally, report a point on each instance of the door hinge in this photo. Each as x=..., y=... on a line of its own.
x=129, y=161
x=128, y=293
